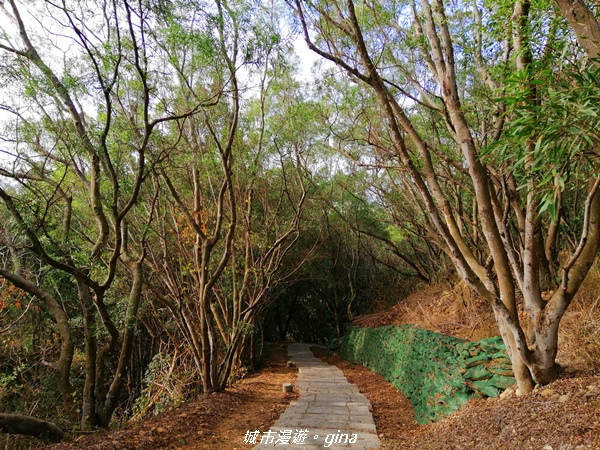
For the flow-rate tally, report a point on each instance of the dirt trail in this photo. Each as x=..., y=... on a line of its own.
x=262, y=401
x=217, y=421
x=564, y=415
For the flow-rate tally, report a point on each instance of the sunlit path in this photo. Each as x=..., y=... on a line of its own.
x=330, y=413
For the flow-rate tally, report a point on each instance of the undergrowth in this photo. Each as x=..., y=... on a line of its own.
x=579, y=337
x=456, y=310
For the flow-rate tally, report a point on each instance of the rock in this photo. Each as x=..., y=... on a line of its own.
x=564, y=398
x=461, y=396
x=504, y=361
x=547, y=447
x=484, y=388
x=507, y=393
x=547, y=392
x=501, y=370
x=491, y=345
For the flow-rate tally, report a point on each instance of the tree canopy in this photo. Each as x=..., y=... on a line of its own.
x=173, y=192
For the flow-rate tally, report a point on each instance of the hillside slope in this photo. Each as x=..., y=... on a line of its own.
x=564, y=415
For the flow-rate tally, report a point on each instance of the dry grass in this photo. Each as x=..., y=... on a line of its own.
x=457, y=311
x=453, y=310
x=579, y=341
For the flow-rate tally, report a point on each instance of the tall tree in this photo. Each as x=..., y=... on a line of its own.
x=85, y=128
x=585, y=24
x=235, y=214
x=491, y=216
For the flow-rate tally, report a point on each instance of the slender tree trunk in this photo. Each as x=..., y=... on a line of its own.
x=62, y=323
x=513, y=343
x=584, y=23
x=131, y=321
x=206, y=348
x=88, y=410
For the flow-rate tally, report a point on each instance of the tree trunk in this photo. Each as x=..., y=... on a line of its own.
x=584, y=24
x=114, y=392
x=519, y=365
x=88, y=409
x=507, y=222
x=62, y=323
x=30, y=426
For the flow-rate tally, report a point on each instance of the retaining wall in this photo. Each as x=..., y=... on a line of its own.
x=438, y=373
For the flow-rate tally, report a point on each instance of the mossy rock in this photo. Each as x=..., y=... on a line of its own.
x=462, y=396
x=427, y=367
x=502, y=371
x=492, y=345
x=504, y=360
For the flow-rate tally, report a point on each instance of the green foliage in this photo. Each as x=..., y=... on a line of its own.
x=24, y=384
x=362, y=232
x=164, y=387
x=550, y=143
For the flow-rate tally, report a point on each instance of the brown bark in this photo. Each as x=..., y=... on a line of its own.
x=110, y=205
x=88, y=409
x=30, y=426
x=584, y=24
x=32, y=54
x=513, y=258
x=67, y=346
x=131, y=320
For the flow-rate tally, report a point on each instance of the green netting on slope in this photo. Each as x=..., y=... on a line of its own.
x=438, y=373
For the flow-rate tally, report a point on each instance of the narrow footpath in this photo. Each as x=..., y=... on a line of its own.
x=330, y=413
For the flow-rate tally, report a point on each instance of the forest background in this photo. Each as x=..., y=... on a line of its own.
x=174, y=194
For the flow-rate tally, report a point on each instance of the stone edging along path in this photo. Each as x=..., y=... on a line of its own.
x=330, y=413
